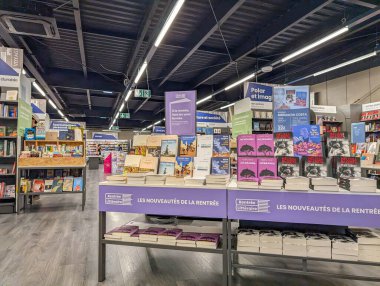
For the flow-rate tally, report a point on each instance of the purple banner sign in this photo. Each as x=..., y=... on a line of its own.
x=305, y=207
x=210, y=203
x=180, y=109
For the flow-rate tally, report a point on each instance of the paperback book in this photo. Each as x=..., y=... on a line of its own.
x=201, y=167
x=166, y=167
x=48, y=185
x=169, y=148
x=283, y=144
x=337, y=144
x=267, y=167
x=220, y=166
x=183, y=166
x=221, y=146
x=288, y=166
x=132, y=163
x=348, y=167
x=38, y=186
x=315, y=167
x=265, y=145
x=246, y=145
x=149, y=164
x=307, y=140
x=57, y=186
x=78, y=184
x=187, y=146
x=204, y=146
x=68, y=184
x=247, y=169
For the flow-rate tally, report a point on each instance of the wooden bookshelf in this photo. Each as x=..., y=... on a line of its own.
x=52, y=162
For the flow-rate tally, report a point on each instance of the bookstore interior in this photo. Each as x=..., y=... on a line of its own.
x=207, y=159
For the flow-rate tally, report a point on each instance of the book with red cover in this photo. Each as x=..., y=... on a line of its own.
x=38, y=186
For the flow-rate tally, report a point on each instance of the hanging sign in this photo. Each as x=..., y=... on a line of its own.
x=261, y=95
x=125, y=115
x=211, y=119
x=64, y=125
x=159, y=129
x=105, y=135
x=180, y=108
x=11, y=62
x=144, y=93
x=371, y=106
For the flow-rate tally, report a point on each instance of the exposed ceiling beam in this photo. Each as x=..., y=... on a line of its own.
x=78, y=24
x=361, y=3
x=32, y=55
x=89, y=98
x=205, y=29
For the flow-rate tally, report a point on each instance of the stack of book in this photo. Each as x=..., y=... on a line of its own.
x=188, y=239
x=248, y=240
x=117, y=179
x=217, y=180
x=150, y=235
x=369, y=244
x=136, y=178
x=318, y=245
x=297, y=184
x=271, y=184
x=294, y=243
x=174, y=181
x=358, y=185
x=344, y=248
x=208, y=240
x=169, y=236
x=196, y=182
x=154, y=179
x=248, y=185
x=121, y=233
x=324, y=184
x=271, y=242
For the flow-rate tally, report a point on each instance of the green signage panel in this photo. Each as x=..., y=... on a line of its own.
x=242, y=123
x=115, y=128
x=125, y=115
x=24, y=119
x=144, y=93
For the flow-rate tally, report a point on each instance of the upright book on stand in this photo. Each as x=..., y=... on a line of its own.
x=288, y=166
x=283, y=144
x=246, y=145
x=221, y=146
x=314, y=167
x=337, y=144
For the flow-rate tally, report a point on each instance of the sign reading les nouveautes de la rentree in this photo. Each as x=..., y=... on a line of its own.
x=180, y=109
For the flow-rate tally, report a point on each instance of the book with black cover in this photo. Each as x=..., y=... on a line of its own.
x=288, y=166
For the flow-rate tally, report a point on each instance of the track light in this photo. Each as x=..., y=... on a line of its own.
x=158, y=122
x=168, y=22
x=128, y=95
x=317, y=43
x=52, y=104
x=150, y=126
x=240, y=81
x=121, y=107
x=228, y=105
x=66, y=119
x=204, y=99
x=39, y=89
x=141, y=71
x=60, y=113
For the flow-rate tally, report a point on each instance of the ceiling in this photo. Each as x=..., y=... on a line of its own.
x=210, y=44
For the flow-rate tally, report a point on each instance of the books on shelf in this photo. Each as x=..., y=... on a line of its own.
x=344, y=248
x=167, y=166
x=315, y=167
x=265, y=145
x=221, y=146
x=271, y=242
x=220, y=180
x=7, y=148
x=318, y=245
x=38, y=186
x=78, y=184
x=248, y=240
x=267, y=167
x=57, y=185
x=8, y=110
x=324, y=184
x=183, y=166
x=136, y=178
x=247, y=184
x=294, y=243
x=117, y=178
x=220, y=166
x=208, y=240
x=204, y=146
x=246, y=145
x=148, y=164
x=7, y=191
x=174, y=181
x=348, y=167
x=337, y=144
x=153, y=148
x=150, y=234
x=202, y=167
x=283, y=144
x=247, y=169
x=132, y=163
x=368, y=244
x=188, y=239
x=196, y=182
x=297, y=184
x=169, y=236
x=307, y=140
x=68, y=184
x=169, y=148
x=155, y=179
x=49, y=185
x=271, y=183
x=187, y=146
x=288, y=166
x=358, y=185
x=121, y=232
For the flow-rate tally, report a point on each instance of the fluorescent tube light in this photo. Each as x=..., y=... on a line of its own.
x=346, y=63
x=139, y=74
x=228, y=105
x=128, y=95
x=204, y=99
x=52, y=104
x=66, y=119
x=158, y=122
x=39, y=89
x=317, y=43
x=240, y=81
x=168, y=22
x=60, y=113
x=107, y=92
x=121, y=107
x=117, y=115
x=150, y=126
x=23, y=71
x=143, y=129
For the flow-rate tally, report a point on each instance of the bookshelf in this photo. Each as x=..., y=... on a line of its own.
x=372, y=125
x=105, y=145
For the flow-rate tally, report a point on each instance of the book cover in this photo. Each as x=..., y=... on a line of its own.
x=183, y=166
x=149, y=164
x=140, y=150
x=220, y=166
x=10, y=191
x=267, y=167
x=62, y=135
x=166, y=168
x=169, y=148
x=246, y=145
x=307, y=140
x=315, y=167
x=265, y=145
x=187, y=146
x=78, y=184
x=201, y=167
x=247, y=169
x=29, y=134
x=48, y=185
x=68, y=184
x=204, y=146
x=57, y=185
x=337, y=144
x=3, y=130
x=38, y=186
x=140, y=140
x=348, y=167
x=58, y=173
x=288, y=166
x=221, y=146
x=132, y=163
x=283, y=144
x=153, y=151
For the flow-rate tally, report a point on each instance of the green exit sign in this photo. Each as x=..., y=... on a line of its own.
x=125, y=115
x=144, y=93
x=115, y=128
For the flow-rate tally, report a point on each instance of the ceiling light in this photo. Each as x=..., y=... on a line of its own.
x=228, y=105
x=39, y=89
x=317, y=43
x=66, y=119
x=240, y=81
x=150, y=126
x=121, y=107
x=107, y=92
x=52, y=104
x=204, y=99
x=60, y=113
x=23, y=71
x=346, y=63
x=139, y=74
x=169, y=21
x=143, y=129
x=158, y=122
x=128, y=95
x=117, y=115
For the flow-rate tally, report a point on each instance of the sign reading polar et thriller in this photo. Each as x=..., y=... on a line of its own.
x=180, y=108
x=182, y=201
x=305, y=207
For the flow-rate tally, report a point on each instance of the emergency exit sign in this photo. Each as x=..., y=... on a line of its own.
x=144, y=93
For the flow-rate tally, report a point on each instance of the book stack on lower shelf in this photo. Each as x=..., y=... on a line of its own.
x=271, y=242
x=297, y=183
x=358, y=185
x=344, y=248
x=248, y=240
x=326, y=184
x=318, y=245
x=294, y=243
x=368, y=244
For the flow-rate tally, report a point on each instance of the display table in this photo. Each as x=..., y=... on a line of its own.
x=161, y=200
x=93, y=162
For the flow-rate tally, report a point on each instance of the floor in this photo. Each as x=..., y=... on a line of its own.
x=55, y=243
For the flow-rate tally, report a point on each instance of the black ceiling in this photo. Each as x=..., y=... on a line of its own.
x=102, y=43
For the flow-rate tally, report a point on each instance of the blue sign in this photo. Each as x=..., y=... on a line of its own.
x=63, y=125
x=259, y=92
x=211, y=119
x=358, y=132
x=291, y=107
x=103, y=136
x=159, y=129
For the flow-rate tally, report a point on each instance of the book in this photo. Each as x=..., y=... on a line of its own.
x=265, y=145
x=188, y=239
x=247, y=169
x=315, y=167
x=187, y=146
x=78, y=184
x=148, y=164
x=48, y=185
x=220, y=166
x=204, y=146
x=166, y=168
x=174, y=181
x=68, y=184
x=337, y=144
x=11, y=95
x=221, y=146
x=169, y=148
x=246, y=145
x=29, y=134
x=208, y=240
x=201, y=167
x=288, y=166
x=283, y=144
x=183, y=166
x=307, y=140
x=348, y=167
x=267, y=167
x=132, y=163
x=38, y=186
x=3, y=130
x=57, y=186
x=10, y=191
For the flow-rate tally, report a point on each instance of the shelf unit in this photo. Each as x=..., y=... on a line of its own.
x=111, y=145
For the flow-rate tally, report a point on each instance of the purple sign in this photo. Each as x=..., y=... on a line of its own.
x=305, y=207
x=180, y=109
x=164, y=201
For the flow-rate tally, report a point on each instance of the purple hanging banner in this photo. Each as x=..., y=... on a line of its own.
x=180, y=109
x=164, y=200
x=351, y=209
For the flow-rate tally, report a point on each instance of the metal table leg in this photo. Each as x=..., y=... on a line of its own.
x=225, y=253
x=102, y=247
x=84, y=188
x=229, y=239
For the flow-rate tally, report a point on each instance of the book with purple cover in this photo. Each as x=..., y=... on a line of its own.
x=247, y=169
x=124, y=229
x=153, y=231
x=170, y=233
x=265, y=145
x=209, y=237
x=267, y=167
x=191, y=236
x=246, y=144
